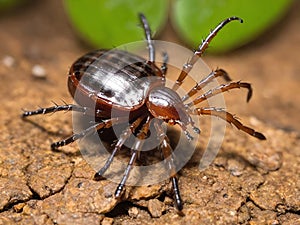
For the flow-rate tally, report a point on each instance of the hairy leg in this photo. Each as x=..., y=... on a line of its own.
x=229, y=118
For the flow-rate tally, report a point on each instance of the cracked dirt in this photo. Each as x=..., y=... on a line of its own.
x=250, y=181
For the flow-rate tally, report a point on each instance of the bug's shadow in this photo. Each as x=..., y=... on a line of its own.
x=233, y=162
x=56, y=134
x=42, y=128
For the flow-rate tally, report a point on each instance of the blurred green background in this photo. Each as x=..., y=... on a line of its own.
x=112, y=23
x=106, y=23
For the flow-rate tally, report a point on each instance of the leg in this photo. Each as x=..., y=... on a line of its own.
x=124, y=136
x=55, y=109
x=198, y=53
x=66, y=107
x=187, y=134
x=98, y=126
x=205, y=81
x=167, y=155
x=220, y=89
x=164, y=66
x=148, y=37
x=135, y=150
x=229, y=118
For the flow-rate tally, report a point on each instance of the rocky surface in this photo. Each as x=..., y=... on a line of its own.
x=250, y=181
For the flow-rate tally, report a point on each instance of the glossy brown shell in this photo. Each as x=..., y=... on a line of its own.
x=113, y=78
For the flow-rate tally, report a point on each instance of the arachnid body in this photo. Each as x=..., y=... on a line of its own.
x=145, y=99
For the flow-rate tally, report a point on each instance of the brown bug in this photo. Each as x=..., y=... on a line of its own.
x=96, y=79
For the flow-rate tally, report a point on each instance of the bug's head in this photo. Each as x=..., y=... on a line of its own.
x=165, y=104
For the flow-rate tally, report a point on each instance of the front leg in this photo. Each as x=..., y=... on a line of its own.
x=167, y=155
x=229, y=118
x=96, y=127
x=137, y=147
x=54, y=109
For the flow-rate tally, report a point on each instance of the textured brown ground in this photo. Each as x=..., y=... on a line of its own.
x=250, y=182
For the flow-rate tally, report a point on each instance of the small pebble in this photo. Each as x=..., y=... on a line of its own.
x=235, y=167
x=155, y=208
x=38, y=71
x=133, y=212
x=8, y=61
x=107, y=221
x=232, y=213
x=19, y=207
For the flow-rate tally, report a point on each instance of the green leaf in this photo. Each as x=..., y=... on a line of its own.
x=106, y=23
x=193, y=19
x=8, y=4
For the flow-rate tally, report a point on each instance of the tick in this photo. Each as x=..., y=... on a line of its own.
x=99, y=79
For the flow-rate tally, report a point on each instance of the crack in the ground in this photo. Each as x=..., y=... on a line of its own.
x=10, y=205
x=278, y=213
x=248, y=199
x=35, y=195
x=296, y=212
